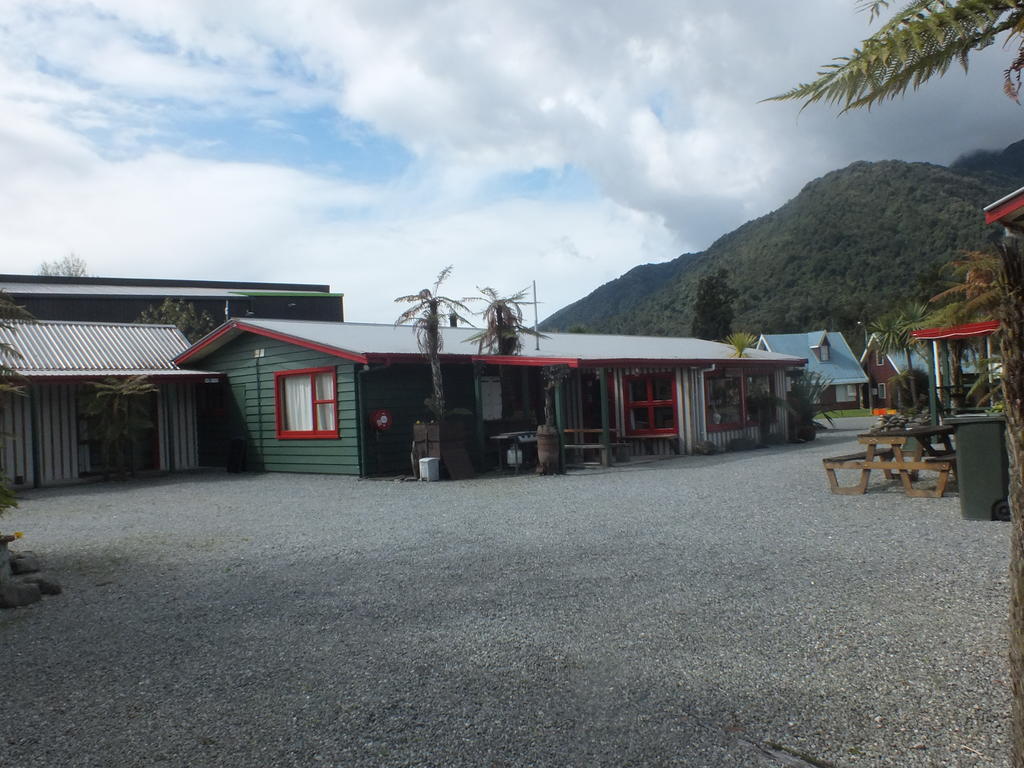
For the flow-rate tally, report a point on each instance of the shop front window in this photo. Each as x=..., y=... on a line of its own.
x=651, y=404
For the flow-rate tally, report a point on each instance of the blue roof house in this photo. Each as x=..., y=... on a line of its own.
x=827, y=354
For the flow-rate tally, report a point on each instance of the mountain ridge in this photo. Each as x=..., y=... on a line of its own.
x=849, y=246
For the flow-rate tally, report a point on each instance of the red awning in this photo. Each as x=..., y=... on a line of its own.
x=966, y=331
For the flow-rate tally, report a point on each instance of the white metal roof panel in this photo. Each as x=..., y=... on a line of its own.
x=54, y=347
x=379, y=339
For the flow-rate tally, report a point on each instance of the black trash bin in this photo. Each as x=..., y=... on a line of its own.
x=236, y=454
x=982, y=466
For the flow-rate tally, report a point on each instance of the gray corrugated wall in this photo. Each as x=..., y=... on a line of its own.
x=16, y=431
x=177, y=425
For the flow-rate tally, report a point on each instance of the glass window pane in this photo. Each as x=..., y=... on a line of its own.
x=325, y=416
x=638, y=390
x=724, y=400
x=662, y=388
x=638, y=418
x=325, y=386
x=664, y=417
x=297, y=397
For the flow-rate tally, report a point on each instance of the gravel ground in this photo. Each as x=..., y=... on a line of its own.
x=678, y=613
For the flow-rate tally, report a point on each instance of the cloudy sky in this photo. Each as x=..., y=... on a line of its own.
x=369, y=143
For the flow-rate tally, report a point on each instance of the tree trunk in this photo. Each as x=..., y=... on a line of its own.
x=913, y=381
x=1012, y=343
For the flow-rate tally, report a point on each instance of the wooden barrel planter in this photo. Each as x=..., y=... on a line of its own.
x=547, y=450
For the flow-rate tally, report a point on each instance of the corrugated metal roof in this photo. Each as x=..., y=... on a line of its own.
x=55, y=347
x=841, y=367
x=364, y=339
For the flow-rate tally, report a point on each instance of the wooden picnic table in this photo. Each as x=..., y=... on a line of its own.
x=885, y=451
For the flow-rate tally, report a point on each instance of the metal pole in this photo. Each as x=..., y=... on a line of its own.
x=536, y=325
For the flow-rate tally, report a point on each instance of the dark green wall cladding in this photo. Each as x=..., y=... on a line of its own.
x=402, y=389
x=250, y=407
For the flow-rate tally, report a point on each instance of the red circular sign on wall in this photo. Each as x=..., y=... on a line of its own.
x=381, y=419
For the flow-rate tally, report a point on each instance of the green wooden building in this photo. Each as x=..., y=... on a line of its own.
x=343, y=398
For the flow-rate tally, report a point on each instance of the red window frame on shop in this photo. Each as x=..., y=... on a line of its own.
x=650, y=403
x=744, y=416
x=317, y=432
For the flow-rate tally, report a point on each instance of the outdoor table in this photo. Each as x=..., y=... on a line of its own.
x=886, y=451
x=519, y=439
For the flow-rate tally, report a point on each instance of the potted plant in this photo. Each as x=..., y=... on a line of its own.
x=548, y=454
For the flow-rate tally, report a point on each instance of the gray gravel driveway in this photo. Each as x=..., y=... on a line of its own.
x=688, y=612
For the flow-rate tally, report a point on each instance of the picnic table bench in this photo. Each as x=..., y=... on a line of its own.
x=885, y=451
x=584, y=443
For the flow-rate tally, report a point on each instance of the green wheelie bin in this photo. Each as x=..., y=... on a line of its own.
x=982, y=466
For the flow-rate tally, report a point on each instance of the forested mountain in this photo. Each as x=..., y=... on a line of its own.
x=852, y=245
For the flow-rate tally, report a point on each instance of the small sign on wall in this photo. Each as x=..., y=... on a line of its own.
x=381, y=419
x=490, y=396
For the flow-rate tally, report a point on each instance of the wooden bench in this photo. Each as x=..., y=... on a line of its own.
x=890, y=462
x=855, y=461
x=602, y=451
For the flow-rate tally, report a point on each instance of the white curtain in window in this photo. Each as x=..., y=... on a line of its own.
x=298, y=404
x=325, y=391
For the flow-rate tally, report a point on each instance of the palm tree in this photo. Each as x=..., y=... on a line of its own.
x=428, y=311
x=890, y=335
x=740, y=341
x=918, y=43
x=921, y=41
x=976, y=285
x=503, y=323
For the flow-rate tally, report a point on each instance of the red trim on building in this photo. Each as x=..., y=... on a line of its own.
x=966, y=331
x=1010, y=206
x=315, y=433
x=572, y=362
x=678, y=363
x=234, y=325
x=393, y=358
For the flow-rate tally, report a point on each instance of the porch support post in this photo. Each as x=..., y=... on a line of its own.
x=560, y=423
x=602, y=376
x=933, y=406
x=524, y=384
x=947, y=376
x=478, y=396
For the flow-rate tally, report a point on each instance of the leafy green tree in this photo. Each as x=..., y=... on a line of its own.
x=712, y=309
x=118, y=413
x=194, y=323
x=921, y=41
x=66, y=266
x=429, y=309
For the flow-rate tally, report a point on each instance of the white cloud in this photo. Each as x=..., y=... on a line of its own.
x=656, y=103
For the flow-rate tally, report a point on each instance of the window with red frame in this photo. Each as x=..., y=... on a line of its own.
x=651, y=405
x=732, y=399
x=306, y=403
